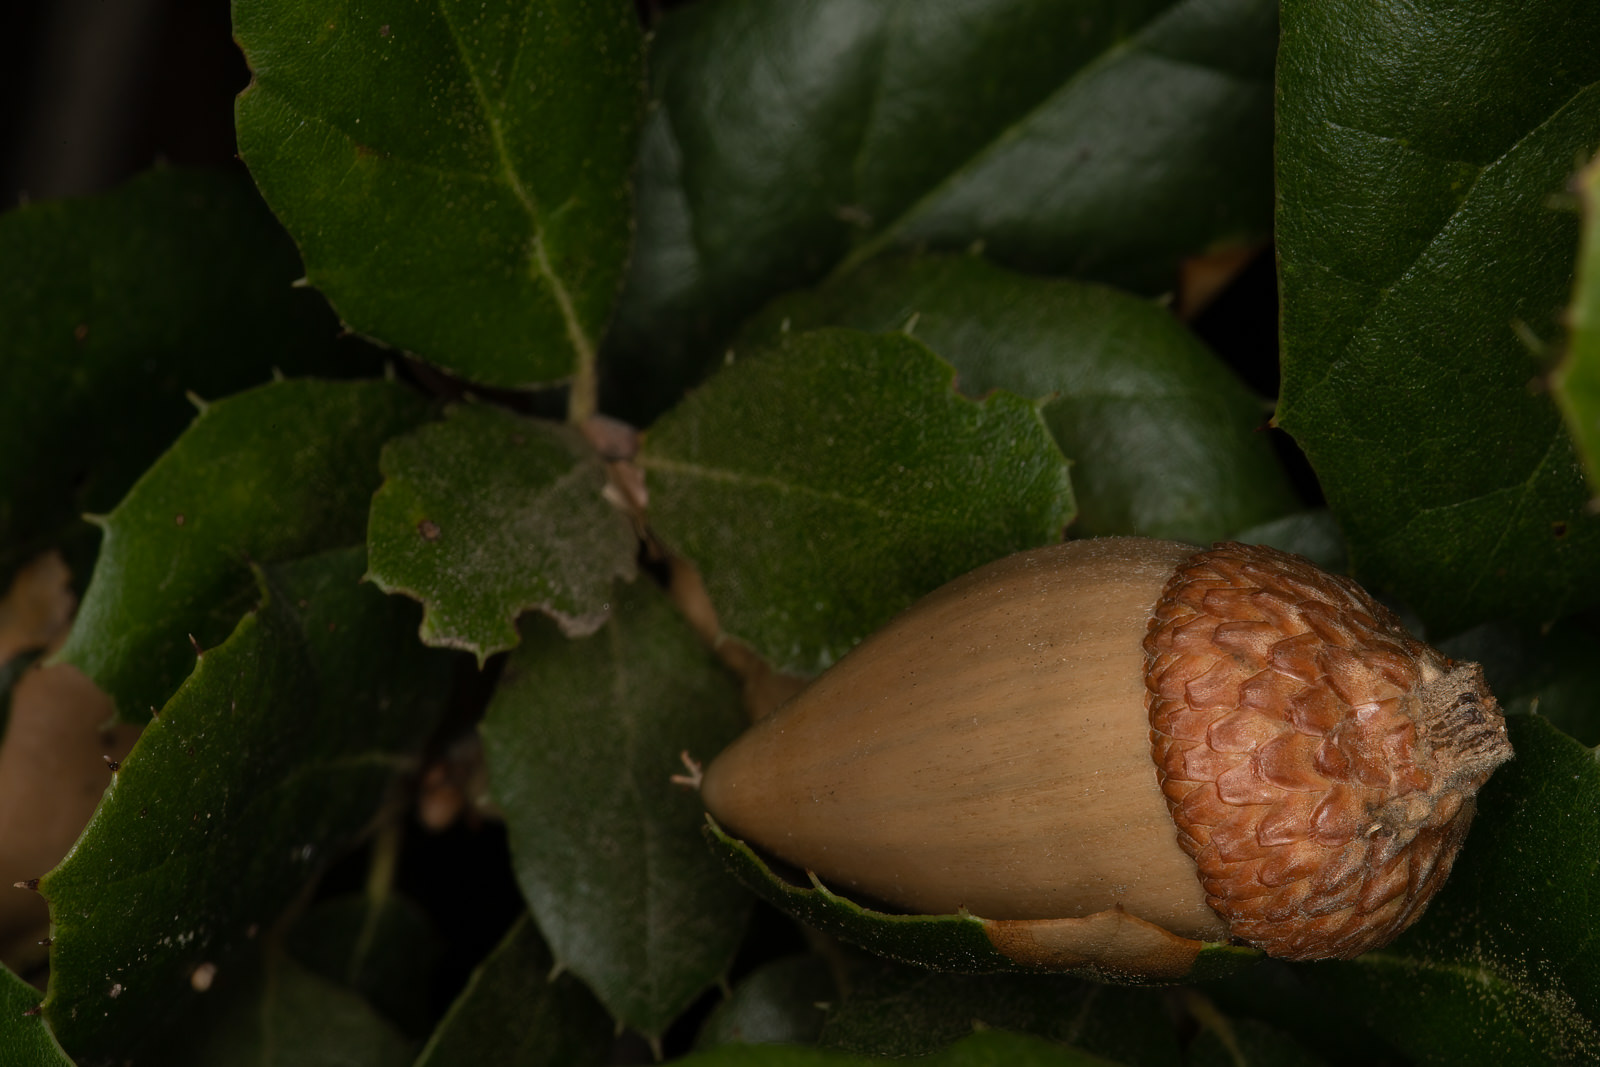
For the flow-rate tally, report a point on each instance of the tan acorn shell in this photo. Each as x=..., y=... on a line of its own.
x=990, y=750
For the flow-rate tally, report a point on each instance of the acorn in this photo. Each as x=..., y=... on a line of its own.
x=1229, y=743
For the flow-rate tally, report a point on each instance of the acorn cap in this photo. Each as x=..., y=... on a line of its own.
x=1319, y=761
x=990, y=751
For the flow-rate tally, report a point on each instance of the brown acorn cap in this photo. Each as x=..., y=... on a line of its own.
x=1319, y=761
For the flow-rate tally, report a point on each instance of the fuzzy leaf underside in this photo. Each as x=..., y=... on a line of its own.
x=488, y=515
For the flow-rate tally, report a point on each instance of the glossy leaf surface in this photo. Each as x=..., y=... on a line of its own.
x=25, y=1041
x=1099, y=139
x=272, y=757
x=379, y=948
x=1164, y=440
x=1420, y=247
x=954, y=943
x=783, y=1002
x=455, y=174
x=272, y=474
x=1576, y=383
x=895, y=1011
x=273, y=1012
x=513, y=1012
x=487, y=515
x=825, y=483
x=116, y=305
x=1502, y=968
x=993, y=1048
x=582, y=739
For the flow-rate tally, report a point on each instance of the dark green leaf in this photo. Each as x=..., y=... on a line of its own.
x=1549, y=671
x=487, y=515
x=1505, y=966
x=25, y=1041
x=456, y=174
x=513, y=1014
x=1247, y=1043
x=1419, y=148
x=994, y=1048
x=1576, y=383
x=824, y=484
x=1096, y=138
x=1163, y=438
x=268, y=1011
x=956, y=943
x=781, y=1003
x=381, y=949
x=271, y=758
x=1278, y=994
x=1312, y=534
x=277, y=472
x=582, y=738
x=113, y=307
x=894, y=1010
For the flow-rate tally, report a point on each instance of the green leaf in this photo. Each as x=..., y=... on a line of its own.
x=487, y=515
x=1104, y=140
x=379, y=948
x=25, y=1041
x=1576, y=382
x=113, y=307
x=963, y=943
x=1549, y=671
x=1163, y=438
x=898, y=1011
x=1278, y=994
x=994, y=1048
x=823, y=485
x=513, y=1012
x=779, y=1003
x=1419, y=148
x=277, y=472
x=275, y=1013
x=1312, y=534
x=581, y=740
x=271, y=758
x=1505, y=966
x=1247, y=1043
x=455, y=174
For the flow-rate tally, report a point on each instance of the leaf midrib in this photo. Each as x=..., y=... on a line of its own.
x=540, y=269
x=1385, y=293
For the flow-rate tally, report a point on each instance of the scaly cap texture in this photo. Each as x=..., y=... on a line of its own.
x=1319, y=761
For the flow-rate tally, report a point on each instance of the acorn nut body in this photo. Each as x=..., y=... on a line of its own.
x=1228, y=743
